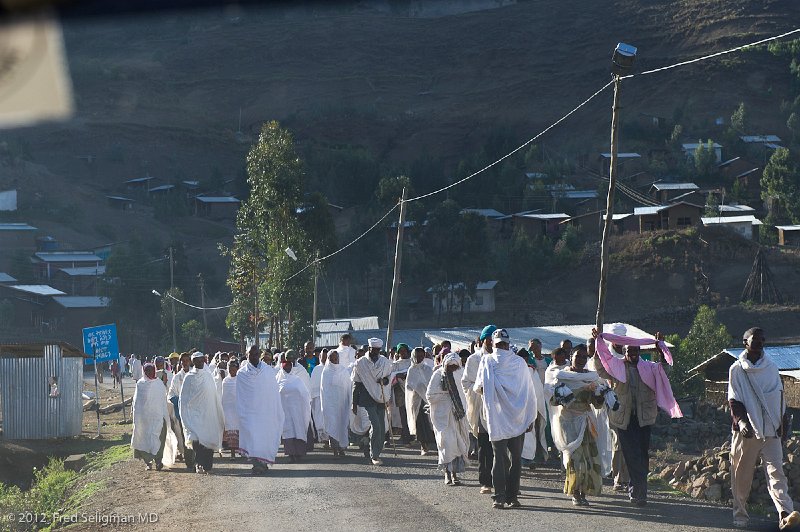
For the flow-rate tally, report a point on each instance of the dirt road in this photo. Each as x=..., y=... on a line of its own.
x=405, y=494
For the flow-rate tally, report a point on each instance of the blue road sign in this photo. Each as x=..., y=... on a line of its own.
x=102, y=342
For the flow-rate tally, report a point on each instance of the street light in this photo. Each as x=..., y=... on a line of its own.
x=621, y=64
x=291, y=254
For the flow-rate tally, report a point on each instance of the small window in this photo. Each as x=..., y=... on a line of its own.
x=478, y=301
x=685, y=221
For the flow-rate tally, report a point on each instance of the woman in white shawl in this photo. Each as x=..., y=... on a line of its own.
x=260, y=412
x=575, y=428
x=230, y=438
x=202, y=417
x=336, y=395
x=448, y=416
x=150, y=419
x=296, y=401
x=417, y=380
x=316, y=399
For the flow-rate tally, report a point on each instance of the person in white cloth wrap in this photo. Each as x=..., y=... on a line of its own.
x=371, y=391
x=202, y=417
x=755, y=395
x=336, y=396
x=296, y=402
x=150, y=419
x=316, y=400
x=230, y=438
x=417, y=380
x=448, y=417
x=261, y=417
x=509, y=405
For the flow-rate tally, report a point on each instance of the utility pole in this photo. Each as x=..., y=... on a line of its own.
x=622, y=62
x=172, y=297
x=203, y=302
x=398, y=261
x=314, y=311
x=255, y=309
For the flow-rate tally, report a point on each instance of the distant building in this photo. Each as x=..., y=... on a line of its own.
x=217, y=207
x=624, y=161
x=161, y=190
x=591, y=223
x=139, y=184
x=46, y=264
x=537, y=224
x=664, y=192
x=81, y=281
x=679, y=215
x=120, y=202
x=768, y=141
x=448, y=298
x=745, y=225
x=690, y=147
x=788, y=235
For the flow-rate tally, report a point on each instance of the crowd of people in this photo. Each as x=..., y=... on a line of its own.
x=494, y=405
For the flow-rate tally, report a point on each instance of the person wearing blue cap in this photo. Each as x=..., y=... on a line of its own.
x=477, y=424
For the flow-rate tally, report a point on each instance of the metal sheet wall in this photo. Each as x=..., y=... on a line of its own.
x=28, y=410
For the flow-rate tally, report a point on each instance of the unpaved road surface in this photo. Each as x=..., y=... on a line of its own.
x=407, y=493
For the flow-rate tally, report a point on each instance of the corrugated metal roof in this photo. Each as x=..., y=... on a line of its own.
x=788, y=227
x=576, y=194
x=555, y=216
x=16, y=227
x=139, y=180
x=121, y=198
x=628, y=155
x=786, y=357
x=731, y=220
x=161, y=188
x=38, y=289
x=217, y=199
x=694, y=145
x=82, y=301
x=67, y=256
x=645, y=211
x=675, y=186
x=735, y=208
x=487, y=213
x=5, y=278
x=85, y=271
x=794, y=373
x=760, y=139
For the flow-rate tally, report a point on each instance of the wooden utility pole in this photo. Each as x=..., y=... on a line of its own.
x=203, y=302
x=314, y=311
x=398, y=261
x=172, y=297
x=255, y=309
x=612, y=180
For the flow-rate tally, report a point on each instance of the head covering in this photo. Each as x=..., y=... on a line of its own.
x=488, y=331
x=402, y=345
x=428, y=351
x=197, y=354
x=233, y=362
x=174, y=355
x=159, y=359
x=290, y=355
x=375, y=343
x=147, y=367
x=451, y=359
x=500, y=335
x=619, y=329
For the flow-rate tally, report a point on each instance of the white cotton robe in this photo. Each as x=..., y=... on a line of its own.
x=136, y=369
x=336, y=393
x=536, y=438
x=261, y=417
x=296, y=402
x=316, y=402
x=347, y=356
x=229, y=403
x=201, y=410
x=368, y=372
x=149, y=415
x=568, y=424
x=474, y=399
x=452, y=435
x=301, y=373
x=419, y=375
x=759, y=388
x=509, y=400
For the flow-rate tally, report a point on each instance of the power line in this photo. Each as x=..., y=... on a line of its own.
x=195, y=306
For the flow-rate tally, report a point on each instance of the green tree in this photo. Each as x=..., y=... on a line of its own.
x=390, y=189
x=705, y=160
x=193, y=334
x=706, y=338
x=712, y=206
x=739, y=118
x=793, y=123
x=780, y=187
x=181, y=315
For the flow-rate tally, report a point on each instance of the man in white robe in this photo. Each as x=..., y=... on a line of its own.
x=419, y=423
x=509, y=407
x=347, y=354
x=261, y=417
x=336, y=402
x=296, y=403
x=150, y=419
x=201, y=413
x=316, y=400
x=372, y=391
x=449, y=418
x=475, y=416
x=136, y=367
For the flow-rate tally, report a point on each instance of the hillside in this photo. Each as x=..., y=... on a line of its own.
x=162, y=93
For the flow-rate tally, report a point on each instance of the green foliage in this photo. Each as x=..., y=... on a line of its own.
x=793, y=123
x=780, y=187
x=712, y=206
x=47, y=494
x=706, y=338
x=739, y=118
x=193, y=333
x=705, y=160
x=390, y=189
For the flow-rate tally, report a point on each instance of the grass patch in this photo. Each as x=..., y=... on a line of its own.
x=656, y=484
x=108, y=457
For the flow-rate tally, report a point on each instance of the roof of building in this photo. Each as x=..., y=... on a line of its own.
x=714, y=220
x=217, y=199
x=788, y=227
x=786, y=357
x=13, y=226
x=486, y=213
x=161, y=188
x=67, y=256
x=82, y=301
x=675, y=186
x=191, y=184
x=120, y=198
x=723, y=164
x=747, y=172
x=644, y=211
x=536, y=175
x=759, y=139
x=139, y=180
x=575, y=194
x=536, y=216
x=5, y=278
x=37, y=289
x=793, y=373
x=735, y=208
x=683, y=196
x=694, y=145
x=85, y=271
x=628, y=155
x=485, y=285
x=343, y=325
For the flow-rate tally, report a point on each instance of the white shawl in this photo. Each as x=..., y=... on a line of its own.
x=201, y=410
x=474, y=404
x=302, y=373
x=533, y=438
x=229, y=403
x=759, y=388
x=509, y=400
x=149, y=415
x=452, y=436
x=336, y=391
x=368, y=373
x=569, y=424
x=260, y=411
x=347, y=356
x=316, y=402
x=296, y=401
x=418, y=377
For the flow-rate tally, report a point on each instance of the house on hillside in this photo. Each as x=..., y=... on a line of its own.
x=664, y=192
x=494, y=219
x=47, y=263
x=120, y=202
x=690, y=147
x=679, y=215
x=698, y=197
x=772, y=142
x=216, y=207
x=160, y=191
x=745, y=225
x=714, y=372
x=625, y=161
x=591, y=223
x=80, y=281
x=538, y=224
x=447, y=299
x=735, y=209
x=139, y=184
x=576, y=201
x=788, y=235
